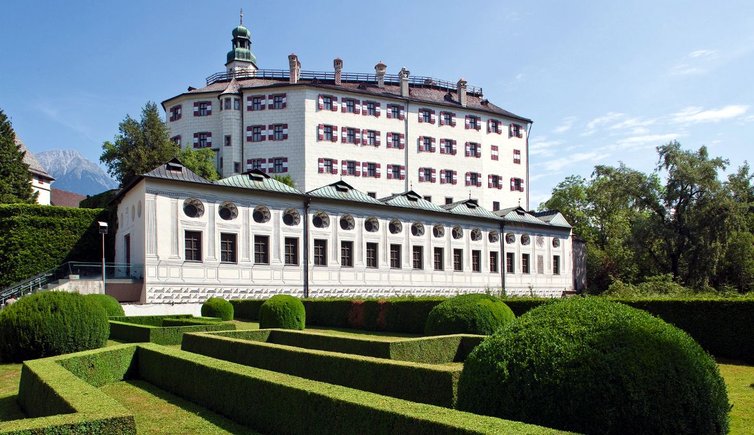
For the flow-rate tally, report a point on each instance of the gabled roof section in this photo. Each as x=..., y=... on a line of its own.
x=233, y=88
x=552, y=217
x=343, y=191
x=470, y=207
x=34, y=166
x=175, y=170
x=413, y=200
x=258, y=180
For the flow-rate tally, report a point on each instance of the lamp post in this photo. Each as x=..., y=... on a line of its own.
x=103, y=231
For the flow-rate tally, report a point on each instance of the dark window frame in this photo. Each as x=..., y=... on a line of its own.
x=261, y=249
x=228, y=245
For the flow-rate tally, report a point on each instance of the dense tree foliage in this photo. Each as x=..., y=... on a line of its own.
x=285, y=179
x=681, y=219
x=142, y=145
x=15, y=178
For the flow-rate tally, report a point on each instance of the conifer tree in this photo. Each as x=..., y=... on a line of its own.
x=15, y=178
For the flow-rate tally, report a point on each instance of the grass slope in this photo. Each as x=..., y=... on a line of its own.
x=159, y=412
x=9, y=377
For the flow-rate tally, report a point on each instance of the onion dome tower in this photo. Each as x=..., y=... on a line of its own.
x=240, y=58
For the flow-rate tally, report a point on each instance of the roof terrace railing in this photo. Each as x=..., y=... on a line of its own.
x=416, y=81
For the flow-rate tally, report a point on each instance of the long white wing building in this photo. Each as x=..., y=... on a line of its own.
x=405, y=185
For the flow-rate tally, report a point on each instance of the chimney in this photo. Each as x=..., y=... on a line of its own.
x=403, y=74
x=379, y=71
x=338, y=64
x=462, y=92
x=295, y=66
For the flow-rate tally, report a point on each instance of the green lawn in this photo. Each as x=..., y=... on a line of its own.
x=159, y=412
x=740, y=382
x=9, y=377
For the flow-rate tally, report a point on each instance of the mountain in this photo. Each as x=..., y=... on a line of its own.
x=74, y=173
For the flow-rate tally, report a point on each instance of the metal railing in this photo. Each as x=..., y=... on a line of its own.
x=71, y=270
x=329, y=76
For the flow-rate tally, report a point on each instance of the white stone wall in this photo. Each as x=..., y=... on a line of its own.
x=43, y=188
x=169, y=278
x=132, y=221
x=303, y=149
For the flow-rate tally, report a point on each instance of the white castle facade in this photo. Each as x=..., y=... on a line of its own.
x=404, y=186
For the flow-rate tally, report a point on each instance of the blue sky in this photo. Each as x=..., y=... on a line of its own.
x=604, y=82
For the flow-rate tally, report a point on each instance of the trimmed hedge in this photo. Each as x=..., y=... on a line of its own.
x=217, y=307
x=282, y=311
x=246, y=309
x=35, y=238
x=282, y=403
x=109, y=303
x=51, y=323
x=468, y=314
x=428, y=350
x=595, y=366
x=166, y=330
x=405, y=315
x=424, y=383
x=60, y=394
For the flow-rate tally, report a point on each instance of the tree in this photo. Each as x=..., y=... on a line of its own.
x=15, y=178
x=285, y=179
x=139, y=147
x=201, y=161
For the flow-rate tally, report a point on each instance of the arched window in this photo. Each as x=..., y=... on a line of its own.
x=261, y=214
x=291, y=217
x=347, y=222
x=193, y=208
x=228, y=211
x=371, y=225
x=417, y=229
x=395, y=226
x=321, y=220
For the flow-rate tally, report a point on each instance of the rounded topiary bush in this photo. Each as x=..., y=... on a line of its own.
x=468, y=314
x=217, y=307
x=110, y=304
x=282, y=311
x=51, y=323
x=595, y=366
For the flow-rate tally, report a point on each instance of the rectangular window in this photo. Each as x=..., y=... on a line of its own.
x=473, y=149
x=495, y=205
x=327, y=102
x=256, y=133
x=328, y=166
x=458, y=260
x=371, y=108
x=494, y=182
x=277, y=132
x=439, y=259
x=517, y=157
x=372, y=194
x=176, y=140
x=278, y=102
x=395, y=112
x=556, y=264
x=447, y=176
x=372, y=255
x=328, y=132
x=395, y=256
x=447, y=118
x=493, y=126
x=226, y=104
x=279, y=165
x=427, y=144
x=236, y=167
x=261, y=249
x=351, y=135
x=371, y=137
x=371, y=170
x=395, y=140
x=473, y=122
x=258, y=164
x=428, y=198
x=447, y=146
x=203, y=139
x=425, y=115
x=291, y=251
x=320, y=252
x=395, y=171
x=515, y=131
x=493, y=261
x=346, y=254
x=509, y=262
x=476, y=260
x=418, y=257
x=256, y=103
x=494, y=152
x=236, y=104
x=203, y=108
x=227, y=248
x=517, y=184
x=448, y=200
x=193, y=242
x=351, y=167
x=426, y=174
x=350, y=106
x=175, y=113
x=524, y=263
x=540, y=264
x=227, y=140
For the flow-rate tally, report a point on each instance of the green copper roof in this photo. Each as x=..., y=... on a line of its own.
x=257, y=180
x=243, y=54
x=552, y=217
x=470, y=207
x=413, y=200
x=343, y=191
x=241, y=32
x=519, y=215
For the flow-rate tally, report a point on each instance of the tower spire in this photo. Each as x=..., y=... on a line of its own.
x=241, y=20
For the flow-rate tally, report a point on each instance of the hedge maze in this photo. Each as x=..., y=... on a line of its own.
x=162, y=329
x=61, y=395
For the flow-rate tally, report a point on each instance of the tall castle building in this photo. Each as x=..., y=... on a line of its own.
x=382, y=133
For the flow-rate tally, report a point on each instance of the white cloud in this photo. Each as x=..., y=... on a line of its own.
x=632, y=123
x=565, y=125
x=696, y=62
x=600, y=121
x=558, y=164
x=543, y=147
x=702, y=53
x=695, y=114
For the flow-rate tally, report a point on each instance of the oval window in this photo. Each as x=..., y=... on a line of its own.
x=291, y=217
x=457, y=232
x=417, y=229
x=438, y=231
x=510, y=238
x=372, y=225
x=493, y=236
x=228, y=211
x=193, y=208
x=347, y=223
x=321, y=220
x=525, y=240
x=261, y=214
x=395, y=226
x=476, y=234
x=555, y=242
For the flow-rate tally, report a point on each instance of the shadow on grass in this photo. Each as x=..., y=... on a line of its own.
x=9, y=409
x=158, y=411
